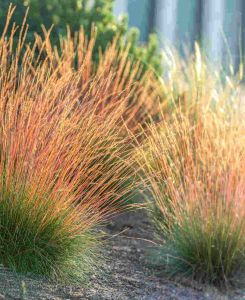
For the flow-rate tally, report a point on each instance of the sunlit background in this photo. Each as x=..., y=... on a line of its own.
x=216, y=24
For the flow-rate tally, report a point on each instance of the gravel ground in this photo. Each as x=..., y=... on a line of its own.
x=126, y=275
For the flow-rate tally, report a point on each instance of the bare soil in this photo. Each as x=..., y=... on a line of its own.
x=125, y=276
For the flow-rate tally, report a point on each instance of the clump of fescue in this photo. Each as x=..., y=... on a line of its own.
x=60, y=164
x=196, y=175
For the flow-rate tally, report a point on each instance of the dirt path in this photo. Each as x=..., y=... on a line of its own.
x=125, y=276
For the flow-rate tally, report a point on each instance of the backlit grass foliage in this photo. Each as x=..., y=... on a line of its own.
x=116, y=78
x=60, y=161
x=196, y=176
x=197, y=85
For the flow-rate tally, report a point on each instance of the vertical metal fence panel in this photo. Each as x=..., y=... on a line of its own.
x=189, y=22
x=165, y=20
x=213, y=21
x=140, y=12
x=216, y=24
x=233, y=31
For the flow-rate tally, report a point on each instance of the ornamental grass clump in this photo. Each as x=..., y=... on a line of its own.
x=196, y=176
x=60, y=163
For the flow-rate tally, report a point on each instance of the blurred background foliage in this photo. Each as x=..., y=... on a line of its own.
x=85, y=13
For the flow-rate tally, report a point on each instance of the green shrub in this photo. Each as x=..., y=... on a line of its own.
x=79, y=13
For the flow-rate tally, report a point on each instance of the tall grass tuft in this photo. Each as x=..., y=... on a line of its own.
x=60, y=163
x=196, y=176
